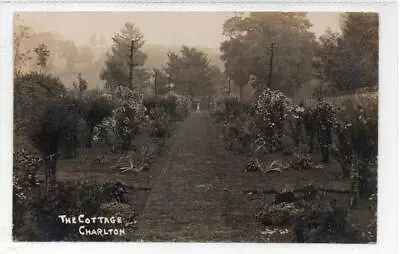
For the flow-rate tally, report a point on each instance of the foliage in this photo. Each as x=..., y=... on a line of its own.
x=279, y=214
x=182, y=107
x=25, y=167
x=97, y=107
x=58, y=123
x=350, y=60
x=300, y=160
x=158, y=122
x=118, y=63
x=313, y=220
x=321, y=223
x=272, y=109
x=246, y=51
x=51, y=85
x=167, y=103
x=357, y=125
x=43, y=54
x=191, y=72
x=324, y=120
x=41, y=221
x=32, y=93
x=21, y=34
x=128, y=114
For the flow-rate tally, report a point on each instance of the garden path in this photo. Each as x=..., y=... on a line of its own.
x=196, y=197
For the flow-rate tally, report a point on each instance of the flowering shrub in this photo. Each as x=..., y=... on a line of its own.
x=272, y=109
x=129, y=115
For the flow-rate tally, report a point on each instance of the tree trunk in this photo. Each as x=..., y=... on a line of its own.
x=46, y=173
x=241, y=93
x=53, y=168
x=89, y=137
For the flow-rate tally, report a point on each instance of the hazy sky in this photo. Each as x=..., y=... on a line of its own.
x=196, y=28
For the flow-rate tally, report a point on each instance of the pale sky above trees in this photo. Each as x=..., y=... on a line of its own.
x=169, y=28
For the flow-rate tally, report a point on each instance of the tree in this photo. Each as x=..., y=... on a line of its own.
x=120, y=60
x=85, y=56
x=21, y=33
x=102, y=41
x=43, y=54
x=247, y=49
x=190, y=72
x=82, y=83
x=93, y=40
x=58, y=122
x=70, y=53
x=349, y=60
x=160, y=81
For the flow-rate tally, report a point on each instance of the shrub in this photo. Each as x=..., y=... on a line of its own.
x=59, y=121
x=32, y=93
x=320, y=223
x=158, y=122
x=97, y=107
x=357, y=126
x=51, y=85
x=324, y=116
x=281, y=214
x=129, y=115
x=272, y=109
x=168, y=104
x=300, y=160
x=69, y=198
x=25, y=167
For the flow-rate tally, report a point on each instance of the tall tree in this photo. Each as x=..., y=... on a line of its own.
x=93, y=40
x=43, y=54
x=190, y=72
x=349, y=60
x=247, y=49
x=21, y=33
x=125, y=54
x=70, y=53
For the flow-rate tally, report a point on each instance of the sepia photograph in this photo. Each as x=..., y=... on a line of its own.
x=231, y=127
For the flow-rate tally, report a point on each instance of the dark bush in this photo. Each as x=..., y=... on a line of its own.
x=25, y=168
x=320, y=223
x=97, y=108
x=58, y=122
x=168, y=104
x=32, y=93
x=51, y=85
x=158, y=122
x=357, y=128
x=42, y=222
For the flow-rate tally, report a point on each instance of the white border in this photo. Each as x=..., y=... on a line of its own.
x=388, y=129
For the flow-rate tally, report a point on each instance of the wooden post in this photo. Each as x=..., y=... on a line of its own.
x=271, y=65
x=229, y=86
x=131, y=64
x=155, y=83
